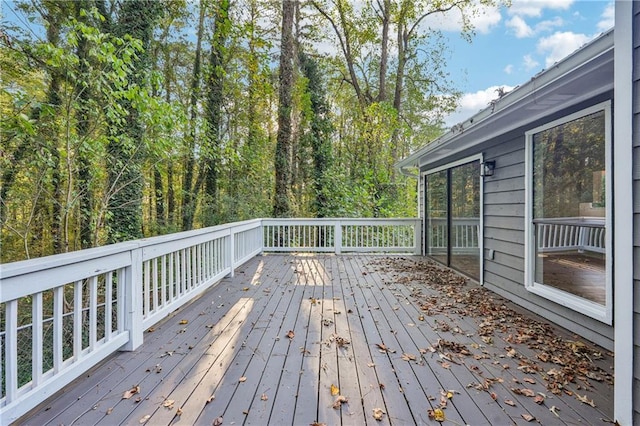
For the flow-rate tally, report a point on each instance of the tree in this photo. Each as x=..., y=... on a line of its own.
x=281, y=206
x=126, y=145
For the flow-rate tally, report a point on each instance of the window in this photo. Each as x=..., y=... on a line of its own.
x=567, y=223
x=452, y=219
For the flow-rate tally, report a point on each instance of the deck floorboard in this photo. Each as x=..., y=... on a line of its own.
x=268, y=345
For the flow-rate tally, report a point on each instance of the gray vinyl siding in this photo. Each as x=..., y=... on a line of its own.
x=636, y=219
x=504, y=209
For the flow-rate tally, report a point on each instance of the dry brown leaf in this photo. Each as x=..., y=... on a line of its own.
x=109, y=410
x=529, y=380
x=145, y=418
x=437, y=415
x=494, y=396
x=539, y=399
x=585, y=400
x=334, y=390
x=217, y=421
x=317, y=424
x=242, y=379
x=528, y=417
x=128, y=394
x=290, y=334
x=509, y=402
x=445, y=365
x=371, y=364
x=341, y=399
x=378, y=414
x=150, y=330
x=168, y=403
x=182, y=322
x=245, y=288
x=179, y=412
x=408, y=357
x=383, y=348
x=211, y=398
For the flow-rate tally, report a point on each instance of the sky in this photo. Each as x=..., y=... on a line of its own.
x=512, y=45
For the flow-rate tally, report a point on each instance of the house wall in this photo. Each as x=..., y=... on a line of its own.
x=504, y=209
x=636, y=209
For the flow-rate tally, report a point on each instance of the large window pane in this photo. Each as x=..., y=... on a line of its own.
x=569, y=204
x=436, y=209
x=465, y=218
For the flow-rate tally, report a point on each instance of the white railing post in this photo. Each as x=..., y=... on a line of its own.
x=132, y=303
x=417, y=240
x=337, y=236
x=232, y=252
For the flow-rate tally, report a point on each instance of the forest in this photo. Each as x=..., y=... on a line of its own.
x=123, y=119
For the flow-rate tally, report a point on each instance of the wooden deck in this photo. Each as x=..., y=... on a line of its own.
x=266, y=347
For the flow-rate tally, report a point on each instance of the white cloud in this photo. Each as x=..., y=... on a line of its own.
x=519, y=27
x=486, y=18
x=607, y=17
x=534, y=7
x=559, y=45
x=508, y=69
x=549, y=24
x=471, y=103
x=529, y=63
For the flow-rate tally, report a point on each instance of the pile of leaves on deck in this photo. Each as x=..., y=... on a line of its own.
x=567, y=365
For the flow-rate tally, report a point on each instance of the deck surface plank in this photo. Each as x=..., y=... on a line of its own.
x=239, y=328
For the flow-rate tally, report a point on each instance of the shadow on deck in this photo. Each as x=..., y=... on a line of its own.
x=388, y=332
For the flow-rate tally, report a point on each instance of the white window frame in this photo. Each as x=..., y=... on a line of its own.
x=603, y=313
x=466, y=160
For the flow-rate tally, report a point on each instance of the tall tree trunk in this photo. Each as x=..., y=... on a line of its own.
x=171, y=197
x=188, y=191
x=384, y=49
x=83, y=113
x=215, y=99
x=126, y=145
x=282, y=206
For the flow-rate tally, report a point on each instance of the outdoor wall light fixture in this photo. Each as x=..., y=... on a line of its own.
x=488, y=167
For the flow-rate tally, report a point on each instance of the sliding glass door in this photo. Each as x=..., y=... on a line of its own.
x=452, y=221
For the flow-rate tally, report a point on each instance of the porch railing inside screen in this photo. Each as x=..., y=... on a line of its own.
x=570, y=233
x=60, y=315
x=465, y=235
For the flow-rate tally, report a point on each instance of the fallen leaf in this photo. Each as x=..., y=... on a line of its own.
x=437, y=415
x=381, y=386
x=529, y=380
x=539, y=399
x=245, y=288
x=318, y=424
x=264, y=397
x=182, y=322
x=445, y=365
x=494, y=396
x=109, y=410
x=242, y=379
x=217, y=421
x=290, y=334
x=585, y=400
x=509, y=402
x=408, y=357
x=528, y=417
x=128, y=394
x=421, y=318
x=450, y=394
x=211, y=398
x=383, y=348
x=150, y=330
x=371, y=364
x=555, y=410
x=179, y=412
x=145, y=418
x=334, y=390
x=341, y=399
x=168, y=403
x=378, y=414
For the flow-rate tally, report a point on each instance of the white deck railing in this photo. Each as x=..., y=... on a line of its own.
x=570, y=233
x=60, y=315
x=465, y=235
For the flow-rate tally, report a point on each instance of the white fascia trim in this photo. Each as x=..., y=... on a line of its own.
x=623, y=211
